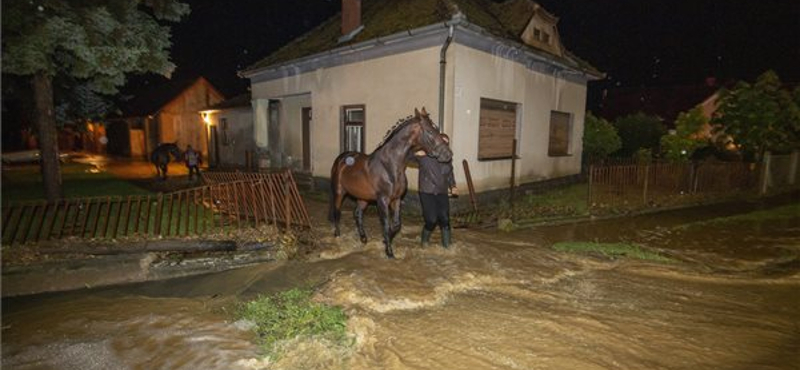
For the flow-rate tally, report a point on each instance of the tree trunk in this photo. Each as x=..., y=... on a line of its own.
x=48, y=135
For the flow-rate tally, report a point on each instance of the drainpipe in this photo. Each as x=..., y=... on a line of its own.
x=442, y=65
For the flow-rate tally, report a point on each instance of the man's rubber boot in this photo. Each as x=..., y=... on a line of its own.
x=426, y=236
x=446, y=237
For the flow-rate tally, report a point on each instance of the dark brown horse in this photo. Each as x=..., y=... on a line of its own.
x=381, y=176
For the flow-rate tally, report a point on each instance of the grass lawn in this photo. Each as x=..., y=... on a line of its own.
x=25, y=183
x=612, y=250
x=570, y=198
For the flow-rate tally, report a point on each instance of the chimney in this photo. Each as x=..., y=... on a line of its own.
x=351, y=16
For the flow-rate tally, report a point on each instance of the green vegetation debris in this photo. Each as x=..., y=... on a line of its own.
x=292, y=315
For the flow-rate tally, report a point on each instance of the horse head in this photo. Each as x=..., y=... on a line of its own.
x=429, y=139
x=174, y=149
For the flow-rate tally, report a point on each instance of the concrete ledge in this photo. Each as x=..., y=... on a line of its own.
x=131, y=264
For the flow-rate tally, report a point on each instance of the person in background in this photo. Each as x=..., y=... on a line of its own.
x=193, y=161
x=436, y=184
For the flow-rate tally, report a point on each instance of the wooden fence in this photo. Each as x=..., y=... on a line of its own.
x=270, y=199
x=667, y=183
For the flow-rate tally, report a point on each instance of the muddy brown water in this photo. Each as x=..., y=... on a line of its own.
x=492, y=301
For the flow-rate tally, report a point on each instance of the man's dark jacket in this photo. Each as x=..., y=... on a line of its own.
x=434, y=177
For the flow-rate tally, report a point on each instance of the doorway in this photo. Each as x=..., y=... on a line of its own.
x=306, y=117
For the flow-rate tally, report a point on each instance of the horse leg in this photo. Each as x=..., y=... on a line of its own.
x=397, y=222
x=383, y=211
x=359, y=215
x=336, y=213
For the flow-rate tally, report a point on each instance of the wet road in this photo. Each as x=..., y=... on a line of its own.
x=493, y=301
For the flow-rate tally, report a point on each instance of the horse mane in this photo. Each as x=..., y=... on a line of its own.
x=402, y=122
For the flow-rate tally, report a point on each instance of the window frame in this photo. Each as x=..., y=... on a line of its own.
x=344, y=124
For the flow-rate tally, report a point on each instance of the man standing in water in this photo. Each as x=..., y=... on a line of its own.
x=436, y=184
x=192, y=159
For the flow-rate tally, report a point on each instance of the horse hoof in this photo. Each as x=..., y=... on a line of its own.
x=390, y=256
x=364, y=240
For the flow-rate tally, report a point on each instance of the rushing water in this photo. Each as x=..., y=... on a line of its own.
x=493, y=301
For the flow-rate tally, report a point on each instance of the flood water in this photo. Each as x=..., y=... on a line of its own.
x=492, y=301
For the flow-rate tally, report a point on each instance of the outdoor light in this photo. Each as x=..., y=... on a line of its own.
x=206, y=118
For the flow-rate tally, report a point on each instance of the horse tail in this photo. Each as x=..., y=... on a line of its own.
x=332, y=211
x=336, y=176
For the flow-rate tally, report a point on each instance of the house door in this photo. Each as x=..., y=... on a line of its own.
x=306, y=114
x=213, y=150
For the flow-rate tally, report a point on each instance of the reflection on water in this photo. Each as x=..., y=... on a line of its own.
x=493, y=301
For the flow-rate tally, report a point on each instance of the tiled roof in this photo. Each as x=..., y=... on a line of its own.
x=386, y=17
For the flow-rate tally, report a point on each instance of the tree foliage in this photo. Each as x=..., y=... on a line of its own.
x=687, y=138
x=96, y=41
x=77, y=102
x=639, y=131
x=600, y=138
x=761, y=116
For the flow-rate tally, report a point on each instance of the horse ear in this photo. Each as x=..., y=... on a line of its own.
x=424, y=112
x=416, y=112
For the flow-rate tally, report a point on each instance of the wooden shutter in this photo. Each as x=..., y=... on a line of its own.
x=498, y=128
x=559, y=134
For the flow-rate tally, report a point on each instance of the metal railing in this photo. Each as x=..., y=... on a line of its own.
x=259, y=197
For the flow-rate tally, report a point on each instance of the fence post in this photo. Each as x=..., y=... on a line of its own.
x=287, y=204
x=765, y=172
x=159, y=210
x=793, y=162
x=470, y=186
x=513, y=177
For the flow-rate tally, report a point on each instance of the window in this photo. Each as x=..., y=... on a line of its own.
x=223, y=124
x=541, y=35
x=353, y=120
x=560, y=134
x=497, y=130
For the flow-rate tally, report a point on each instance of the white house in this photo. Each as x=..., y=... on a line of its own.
x=487, y=72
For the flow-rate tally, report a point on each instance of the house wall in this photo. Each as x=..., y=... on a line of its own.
x=239, y=135
x=411, y=80
x=387, y=98
x=180, y=122
x=483, y=75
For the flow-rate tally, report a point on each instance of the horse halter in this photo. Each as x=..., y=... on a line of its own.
x=440, y=150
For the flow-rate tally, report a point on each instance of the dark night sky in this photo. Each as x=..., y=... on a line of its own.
x=636, y=42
